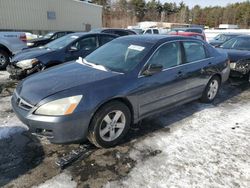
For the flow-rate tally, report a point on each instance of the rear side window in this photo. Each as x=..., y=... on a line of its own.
x=105, y=39
x=155, y=31
x=194, y=51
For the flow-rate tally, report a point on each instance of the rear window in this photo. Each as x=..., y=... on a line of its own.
x=194, y=30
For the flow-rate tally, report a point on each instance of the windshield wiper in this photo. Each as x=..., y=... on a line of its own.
x=96, y=66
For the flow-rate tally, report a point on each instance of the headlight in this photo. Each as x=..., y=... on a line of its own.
x=30, y=44
x=59, y=107
x=232, y=65
x=27, y=64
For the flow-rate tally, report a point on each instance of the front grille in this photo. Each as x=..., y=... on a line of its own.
x=22, y=103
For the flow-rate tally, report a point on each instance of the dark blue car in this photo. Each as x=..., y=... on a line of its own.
x=119, y=84
x=61, y=50
x=238, y=50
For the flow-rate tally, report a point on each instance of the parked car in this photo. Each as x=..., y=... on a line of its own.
x=150, y=31
x=115, y=31
x=10, y=43
x=190, y=29
x=238, y=50
x=118, y=84
x=64, y=49
x=188, y=34
x=47, y=38
x=221, y=38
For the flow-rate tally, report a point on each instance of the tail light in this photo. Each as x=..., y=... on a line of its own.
x=23, y=38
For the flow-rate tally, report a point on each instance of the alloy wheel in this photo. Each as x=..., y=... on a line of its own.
x=213, y=89
x=112, y=125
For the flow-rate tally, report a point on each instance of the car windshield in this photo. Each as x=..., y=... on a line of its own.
x=48, y=35
x=119, y=56
x=61, y=42
x=238, y=43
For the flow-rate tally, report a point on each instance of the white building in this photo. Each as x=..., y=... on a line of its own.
x=41, y=16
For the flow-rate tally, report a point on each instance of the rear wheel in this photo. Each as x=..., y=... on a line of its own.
x=4, y=59
x=211, y=90
x=109, y=125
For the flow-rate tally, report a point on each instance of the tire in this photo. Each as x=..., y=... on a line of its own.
x=4, y=59
x=211, y=90
x=103, y=131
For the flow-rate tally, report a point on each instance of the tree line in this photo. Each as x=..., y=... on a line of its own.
x=121, y=13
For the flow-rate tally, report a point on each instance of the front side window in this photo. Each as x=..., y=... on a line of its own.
x=194, y=51
x=168, y=55
x=88, y=43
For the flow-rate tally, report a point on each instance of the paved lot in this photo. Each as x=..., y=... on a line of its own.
x=196, y=145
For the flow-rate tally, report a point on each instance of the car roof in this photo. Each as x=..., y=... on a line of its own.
x=231, y=34
x=185, y=28
x=81, y=34
x=154, y=38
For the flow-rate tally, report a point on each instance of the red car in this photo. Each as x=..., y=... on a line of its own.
x=188, y=34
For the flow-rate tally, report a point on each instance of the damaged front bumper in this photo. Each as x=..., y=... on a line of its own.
x=17, y=73
x=240, y=68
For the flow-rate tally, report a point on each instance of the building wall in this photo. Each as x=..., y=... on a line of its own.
x=31, y=15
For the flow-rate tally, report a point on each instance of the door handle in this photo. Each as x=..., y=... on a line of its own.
x=210, y=63
x=179, y=74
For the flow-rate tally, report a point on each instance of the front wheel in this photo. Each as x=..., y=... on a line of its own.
x=211, y=90
x=109, y=125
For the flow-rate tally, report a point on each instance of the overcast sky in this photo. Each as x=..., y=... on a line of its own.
x=204, y=3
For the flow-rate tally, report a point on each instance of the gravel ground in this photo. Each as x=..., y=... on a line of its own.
x=195, y=145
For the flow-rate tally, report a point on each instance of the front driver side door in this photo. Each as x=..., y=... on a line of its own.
x=166, y=87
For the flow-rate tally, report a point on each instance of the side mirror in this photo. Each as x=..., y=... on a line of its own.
x=152, y=69
x=73, y=49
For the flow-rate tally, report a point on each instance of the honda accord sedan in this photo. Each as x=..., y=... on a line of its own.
x=119, y=84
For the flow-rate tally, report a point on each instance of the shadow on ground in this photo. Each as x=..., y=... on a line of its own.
x=19, y=154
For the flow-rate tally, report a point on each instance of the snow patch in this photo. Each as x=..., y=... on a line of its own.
x=211, y=148
x=9, y=124
x=63, y=180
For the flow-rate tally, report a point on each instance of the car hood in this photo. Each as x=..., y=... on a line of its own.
x=31, y=53
x=39, y=86
x=235, y=55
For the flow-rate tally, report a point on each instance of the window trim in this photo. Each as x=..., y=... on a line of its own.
x=140, y=75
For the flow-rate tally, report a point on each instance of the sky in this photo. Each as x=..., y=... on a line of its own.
x=204, y=3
